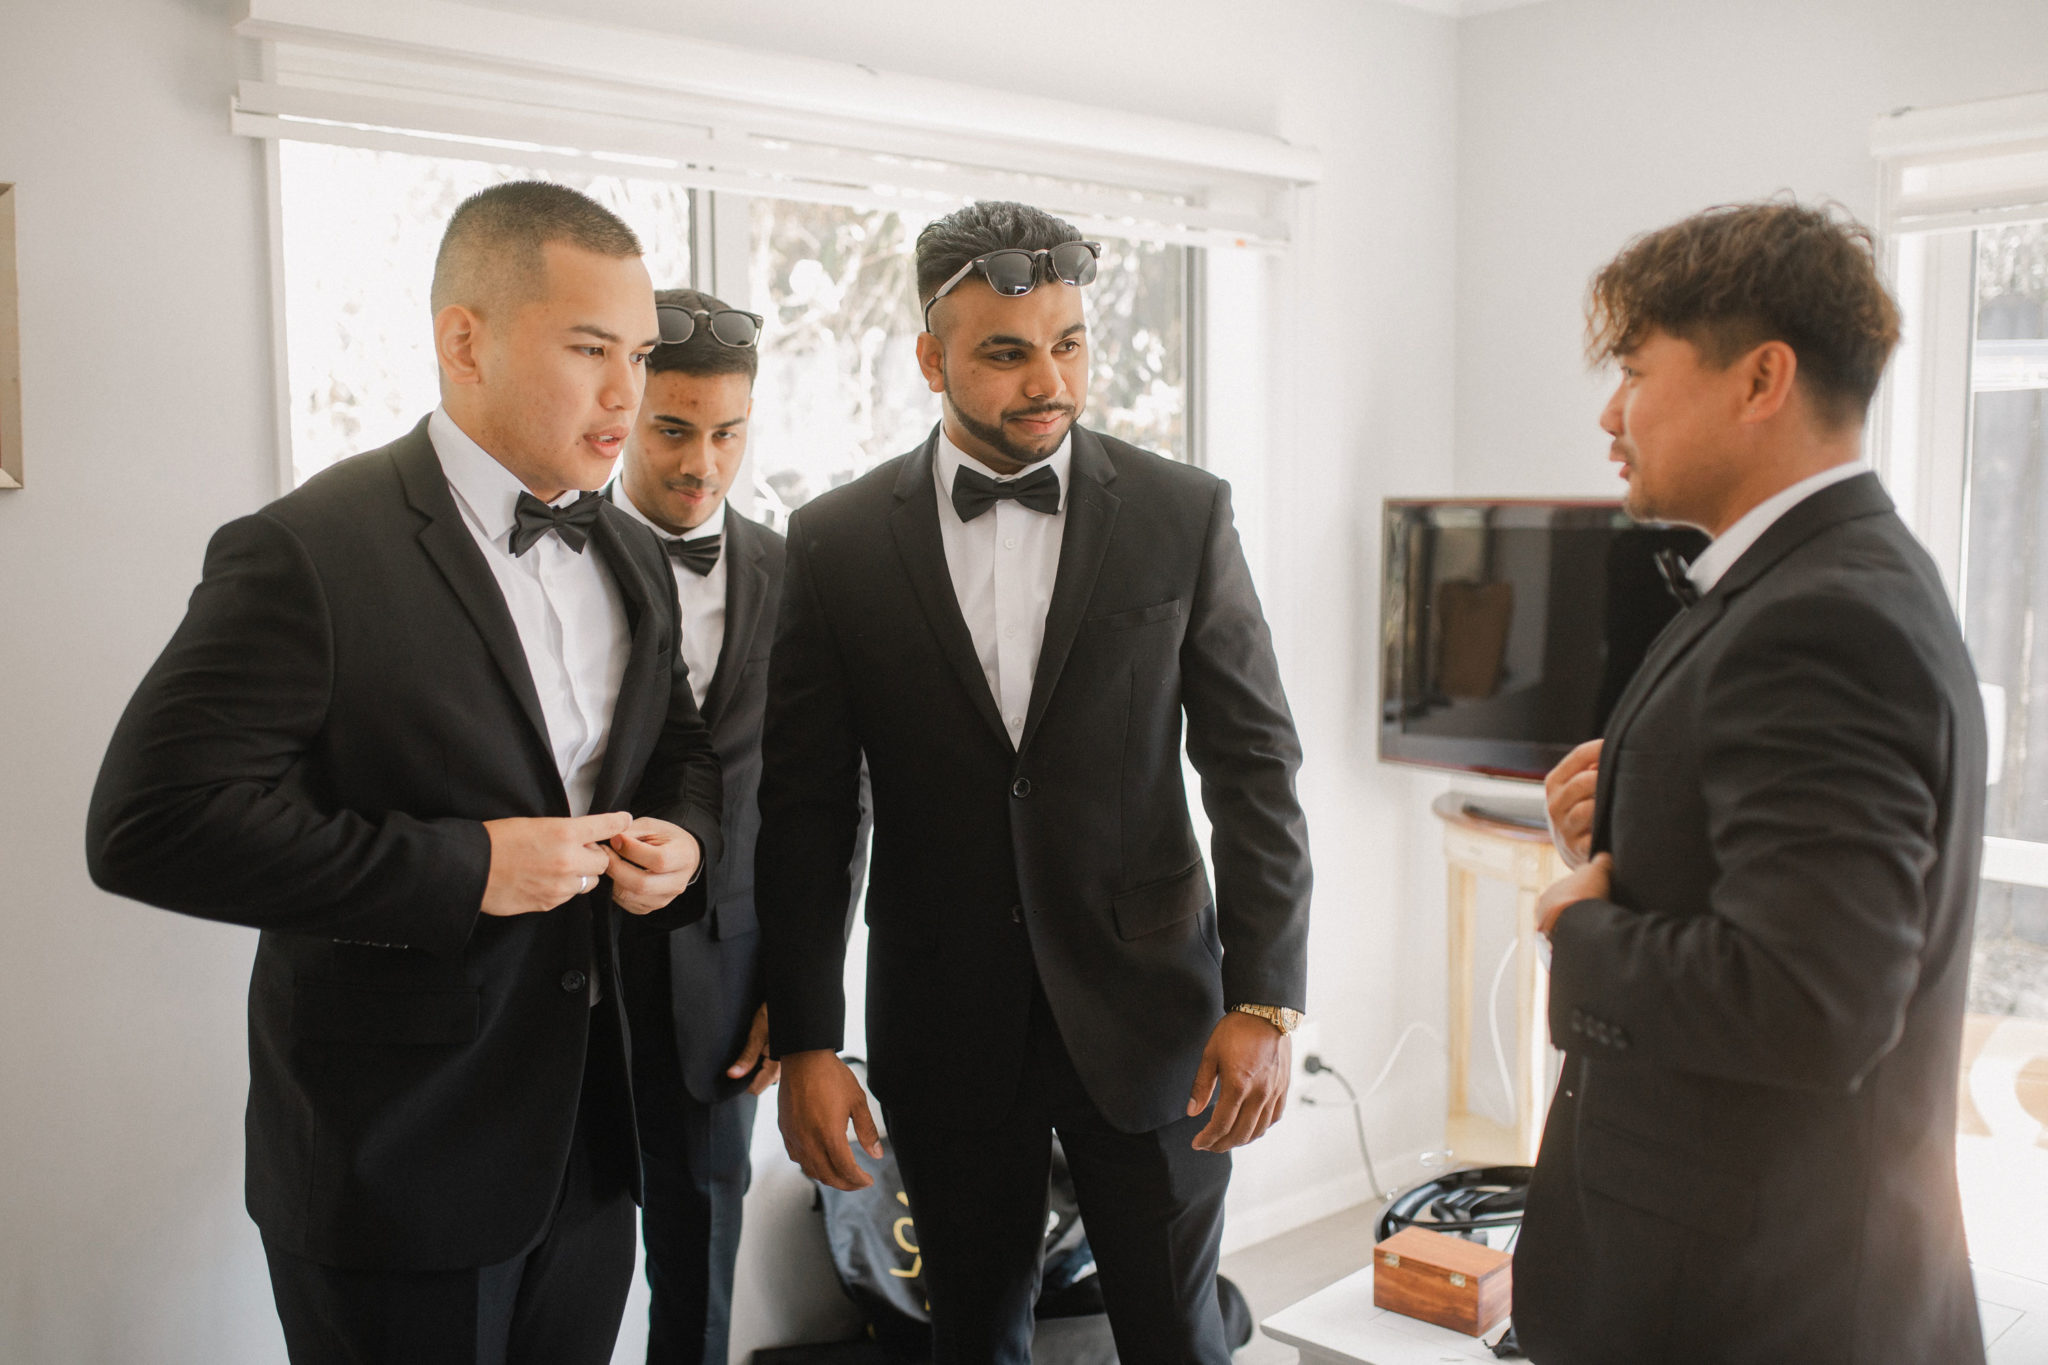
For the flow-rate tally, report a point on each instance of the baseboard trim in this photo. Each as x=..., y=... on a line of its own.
x=1278, y=1217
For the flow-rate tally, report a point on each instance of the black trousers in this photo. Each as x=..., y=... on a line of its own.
x=695, y=1172
x=1152, y=1205
x=557, y=1303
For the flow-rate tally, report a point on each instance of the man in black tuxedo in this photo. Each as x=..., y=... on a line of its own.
x=1758, y=977
x=1010, y=623
x=426, y=725
x=700, y=1030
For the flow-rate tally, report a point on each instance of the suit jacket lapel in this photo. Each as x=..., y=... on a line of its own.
x=915, y=526
x=1091, y=515
x=1679, y=636
x=746, y=587
x=642, y=703
x=1858, y=497
x=448, y=543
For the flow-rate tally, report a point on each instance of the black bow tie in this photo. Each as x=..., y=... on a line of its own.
x=532, y=519
x=975, y=493
x=699, y=556
x=1675, y=578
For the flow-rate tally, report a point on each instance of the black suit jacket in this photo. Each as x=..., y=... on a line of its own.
x=1070, y=857
x=345, y=702
x=714, y=964
x=1751, y=1155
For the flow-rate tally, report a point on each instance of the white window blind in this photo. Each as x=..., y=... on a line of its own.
x=443, y=78
x=1964, y=165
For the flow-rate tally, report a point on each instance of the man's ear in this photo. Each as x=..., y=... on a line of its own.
x=931, y=358
x=457, y=338
x=1767, y=373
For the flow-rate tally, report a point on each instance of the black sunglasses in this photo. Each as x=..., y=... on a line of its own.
x=1014, y=272
x=729, y=326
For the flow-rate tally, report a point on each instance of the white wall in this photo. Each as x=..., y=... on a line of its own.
x=148, y=422
x=146, y=386
x=1584, y=122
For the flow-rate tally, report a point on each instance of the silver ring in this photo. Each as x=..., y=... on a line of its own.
x=582, y=885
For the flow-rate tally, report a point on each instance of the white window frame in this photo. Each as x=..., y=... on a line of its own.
x=1943, y=174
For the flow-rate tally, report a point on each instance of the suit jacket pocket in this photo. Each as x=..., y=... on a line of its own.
x=1665, y=1182
x=1162, y=904
x=338, y=1012
x=1138, y=616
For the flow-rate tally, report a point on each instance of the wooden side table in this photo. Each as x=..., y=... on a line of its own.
x=1476, y=847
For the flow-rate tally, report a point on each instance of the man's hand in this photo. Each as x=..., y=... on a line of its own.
x=1252, y=1062
x=652, y=862
x=820, y=1096
x=1590, y=883
x=538, y=864
x=756, y=1052
x=1568, y=793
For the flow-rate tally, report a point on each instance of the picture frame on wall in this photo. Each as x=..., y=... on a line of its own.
x=10, y=348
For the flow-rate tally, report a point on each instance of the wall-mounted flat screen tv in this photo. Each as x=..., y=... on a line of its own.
x=1508, y=629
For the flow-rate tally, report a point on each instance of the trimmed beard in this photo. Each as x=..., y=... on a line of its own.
x=997, y=439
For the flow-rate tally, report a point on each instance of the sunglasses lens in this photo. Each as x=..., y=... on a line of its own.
x=1010, y=273
x=677, y=325
x=735, y=328
x=1073, y=262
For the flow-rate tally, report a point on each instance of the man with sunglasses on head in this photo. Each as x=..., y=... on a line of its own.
x=1011, y=624
x=700, y=1032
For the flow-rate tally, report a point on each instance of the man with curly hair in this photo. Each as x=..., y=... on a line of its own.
x=1759, y=963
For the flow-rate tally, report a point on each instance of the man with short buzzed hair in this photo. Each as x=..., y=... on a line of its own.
x=700, y=1031
x=427, y=727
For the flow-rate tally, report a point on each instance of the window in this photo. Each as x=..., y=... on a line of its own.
x=2005, y=586
x=360, y=229
x=840, y=390
x=1962, y=438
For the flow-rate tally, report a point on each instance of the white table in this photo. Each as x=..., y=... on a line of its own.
x=1340, y=1326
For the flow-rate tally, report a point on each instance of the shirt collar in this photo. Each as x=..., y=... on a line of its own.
x=711, y=526
x=485, y=487
x=1718, y=558
x=948, y=458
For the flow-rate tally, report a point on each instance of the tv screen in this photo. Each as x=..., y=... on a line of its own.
x=1509, y=628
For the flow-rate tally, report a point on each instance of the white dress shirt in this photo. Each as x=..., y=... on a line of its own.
x=701, y=599
x=1730, y=545
x=567, y=609
x=1003, y=564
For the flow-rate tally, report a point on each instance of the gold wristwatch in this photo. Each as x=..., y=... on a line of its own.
x=1286, y=1020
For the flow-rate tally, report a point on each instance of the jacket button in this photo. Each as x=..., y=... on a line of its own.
x=1021, y=788
x=573, y=981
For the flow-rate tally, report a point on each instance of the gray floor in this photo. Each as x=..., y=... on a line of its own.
x=1293, y=1266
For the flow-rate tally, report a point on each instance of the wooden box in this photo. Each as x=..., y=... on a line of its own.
x=1444, y=1280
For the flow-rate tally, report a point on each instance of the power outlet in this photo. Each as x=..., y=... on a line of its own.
x=1307, y=1040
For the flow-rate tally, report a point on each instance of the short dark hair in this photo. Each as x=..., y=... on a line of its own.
x=987, y=225
x=491, y=252
x=1735, y=276
x=703, y=354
